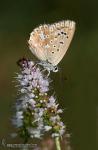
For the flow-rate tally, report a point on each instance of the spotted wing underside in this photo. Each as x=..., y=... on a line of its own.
x=50, y=42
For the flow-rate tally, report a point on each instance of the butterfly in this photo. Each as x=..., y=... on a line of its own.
x=49, y=42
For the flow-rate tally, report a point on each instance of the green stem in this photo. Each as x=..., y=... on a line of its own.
x=57, y=142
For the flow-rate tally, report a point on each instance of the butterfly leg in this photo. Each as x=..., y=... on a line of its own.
x=47, y=72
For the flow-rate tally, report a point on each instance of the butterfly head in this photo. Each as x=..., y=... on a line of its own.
x=55, y=69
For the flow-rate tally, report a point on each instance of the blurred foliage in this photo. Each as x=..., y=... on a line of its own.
x=76, y=84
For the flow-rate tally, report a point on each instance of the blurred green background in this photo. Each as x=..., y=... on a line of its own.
x=76, y=84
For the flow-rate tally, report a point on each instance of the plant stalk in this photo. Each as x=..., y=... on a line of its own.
x=57, y=142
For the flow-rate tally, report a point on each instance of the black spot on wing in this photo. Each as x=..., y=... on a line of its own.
x=61, y=42
x=63, y=33
x=54, y=45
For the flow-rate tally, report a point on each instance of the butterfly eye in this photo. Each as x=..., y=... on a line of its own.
x=67, y=37
x=55, y=69
x=52, y=52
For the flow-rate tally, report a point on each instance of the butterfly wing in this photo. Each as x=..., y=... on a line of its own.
x=50, y=42
x=60, y=40
x=37, y=42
